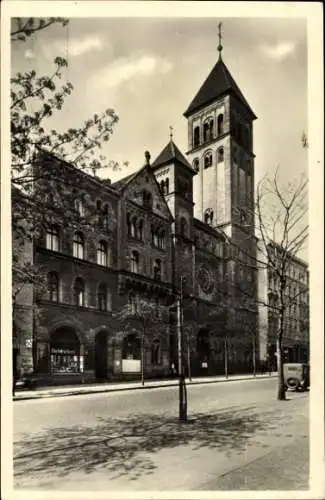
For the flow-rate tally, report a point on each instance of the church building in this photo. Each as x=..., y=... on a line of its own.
x=185, y=217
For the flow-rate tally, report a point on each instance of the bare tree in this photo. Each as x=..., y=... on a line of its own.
x=281, y=214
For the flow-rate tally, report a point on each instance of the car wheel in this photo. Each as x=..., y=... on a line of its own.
x=293, y=383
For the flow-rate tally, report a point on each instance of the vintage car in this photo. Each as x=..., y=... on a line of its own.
x=296, y=376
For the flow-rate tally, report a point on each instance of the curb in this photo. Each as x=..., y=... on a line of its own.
x=140, y=387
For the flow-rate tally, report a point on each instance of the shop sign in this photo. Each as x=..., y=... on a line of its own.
x=63, y=351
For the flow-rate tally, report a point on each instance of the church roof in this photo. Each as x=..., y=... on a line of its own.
x=218, y=82
x=121, y=183
x=170, y=154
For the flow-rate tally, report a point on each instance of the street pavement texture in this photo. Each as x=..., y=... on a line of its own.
x=239, y=437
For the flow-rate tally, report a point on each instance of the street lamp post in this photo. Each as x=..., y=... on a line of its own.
x=182, y=385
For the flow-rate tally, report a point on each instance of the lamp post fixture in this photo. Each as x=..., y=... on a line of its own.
x=180, y=345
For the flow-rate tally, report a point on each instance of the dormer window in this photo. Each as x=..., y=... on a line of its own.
x=208, y=160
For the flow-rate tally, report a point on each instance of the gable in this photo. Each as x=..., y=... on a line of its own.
x=146, y=181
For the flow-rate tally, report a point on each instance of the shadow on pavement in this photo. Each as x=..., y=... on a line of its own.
x=127, y=446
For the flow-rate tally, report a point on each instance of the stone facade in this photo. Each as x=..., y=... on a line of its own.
x=134, y=240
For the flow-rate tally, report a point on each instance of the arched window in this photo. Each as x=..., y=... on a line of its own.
x=102, y=297
x=196, y=165
x=157, y=270
x=208, y=216
x=140, y=231
x=183, y=226
x=78, y=245
x=133, y=227
x=220, y=155
x=102, y=253
x=134, y=262
x=128, y=223
x=146, y=199
x=196, y=136
x=162, y=187
x=106, y=216
x=162, y=240
x=206, y=132
x=132, y=303
x=220, y=124
x=208, y=160
x=99, y=205
x=53, y=238
x=166, y=186
x=211, y=129
x=79, y=206
x=53, y=286
x=155, y=352
x=79, y=292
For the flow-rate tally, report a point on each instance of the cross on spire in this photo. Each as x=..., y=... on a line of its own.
x=220, y=47
x=171, y=132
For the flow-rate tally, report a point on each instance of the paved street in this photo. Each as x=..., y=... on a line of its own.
x=239, y=437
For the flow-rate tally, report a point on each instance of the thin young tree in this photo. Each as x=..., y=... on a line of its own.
x=148, y=319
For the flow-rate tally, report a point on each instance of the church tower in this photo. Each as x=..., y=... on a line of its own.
x=220, y=150
x=175, y=178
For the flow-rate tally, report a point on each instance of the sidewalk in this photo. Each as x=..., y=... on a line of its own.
x=51, y=392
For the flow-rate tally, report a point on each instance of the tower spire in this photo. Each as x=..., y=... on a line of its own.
x=220, y=47
x=171, y=133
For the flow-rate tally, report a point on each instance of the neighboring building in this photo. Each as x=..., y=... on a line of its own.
x=296, y=317
x=172, y=218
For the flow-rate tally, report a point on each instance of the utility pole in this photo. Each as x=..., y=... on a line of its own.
x=182, y=385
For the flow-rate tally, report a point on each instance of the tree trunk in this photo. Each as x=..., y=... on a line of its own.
x=226, y=357
x=189, y=358
x=254, y=357
x=281, y=396
x=142, y=360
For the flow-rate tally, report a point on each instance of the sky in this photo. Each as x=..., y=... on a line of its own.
x=149, y=69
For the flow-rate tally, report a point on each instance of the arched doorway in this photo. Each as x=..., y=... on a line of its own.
x=203, y=351
x=65, y=355
x=131, y=354
x=101, y=355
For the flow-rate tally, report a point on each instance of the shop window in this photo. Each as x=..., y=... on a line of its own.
x=134, y=262
x=78, y=245
x=131, y=347
x=102, y=253
x=65, y=352
x=208, y=160
x=196, y=136
x=102, y=297
x=79, y=292
x=156, y=353
x=220, y=155
x=53, y=238
x=220, y=124
x=53, y=287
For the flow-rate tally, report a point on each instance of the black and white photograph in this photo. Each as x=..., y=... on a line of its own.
x=158, y=256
